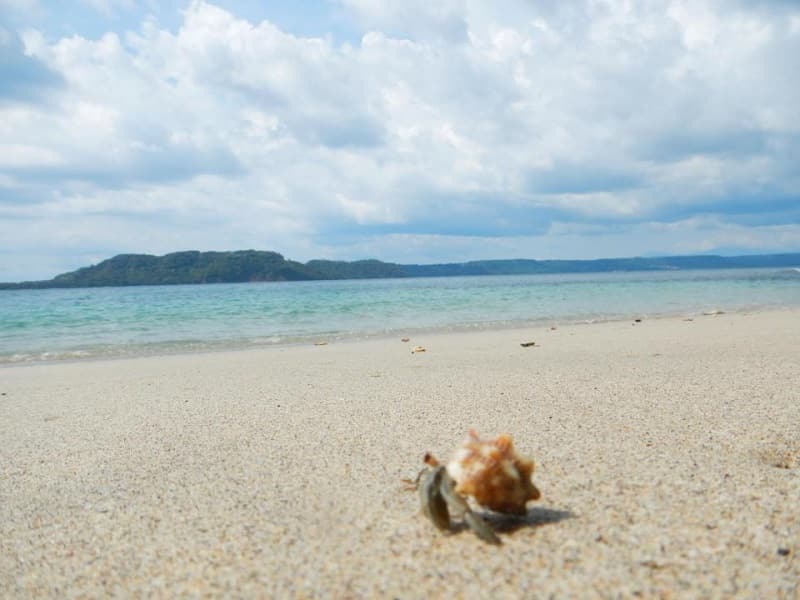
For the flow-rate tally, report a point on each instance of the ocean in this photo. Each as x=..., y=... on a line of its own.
x=86, y=323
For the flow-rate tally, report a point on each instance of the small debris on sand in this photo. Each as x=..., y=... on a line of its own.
x=405, y=339
x=637, y=320
x=527, y=344
x=714, y=313
x=417, y=349
x=781, y=454
x=321, y=343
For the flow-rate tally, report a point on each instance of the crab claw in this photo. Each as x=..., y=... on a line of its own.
x=433, y=502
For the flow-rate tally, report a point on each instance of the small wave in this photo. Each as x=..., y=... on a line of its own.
x=790, y=273
x=36, y=357
x=265, y=341
x=17, y=358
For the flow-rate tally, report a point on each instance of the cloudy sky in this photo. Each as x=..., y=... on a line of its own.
x=404, y=130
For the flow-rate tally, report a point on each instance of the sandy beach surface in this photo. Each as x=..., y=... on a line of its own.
x=667, y=451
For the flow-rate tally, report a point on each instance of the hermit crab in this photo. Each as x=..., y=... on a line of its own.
x=488, y=470
x=439, y=500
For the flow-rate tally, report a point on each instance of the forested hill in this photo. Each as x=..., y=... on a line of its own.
x=254, y=265
x=209, y=267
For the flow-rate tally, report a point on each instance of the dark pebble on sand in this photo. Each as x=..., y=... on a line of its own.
x=784, y=551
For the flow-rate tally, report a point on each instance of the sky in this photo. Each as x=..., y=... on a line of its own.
x=403, y=130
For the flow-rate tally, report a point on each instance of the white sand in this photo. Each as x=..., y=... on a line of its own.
x=277, y=473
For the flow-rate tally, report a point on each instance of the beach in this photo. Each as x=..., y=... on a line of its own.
x=667, y=452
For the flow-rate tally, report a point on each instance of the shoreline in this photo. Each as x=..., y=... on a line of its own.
x=194, y=348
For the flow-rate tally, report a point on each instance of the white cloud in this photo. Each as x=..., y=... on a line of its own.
x=16, y=156
x=448, y=121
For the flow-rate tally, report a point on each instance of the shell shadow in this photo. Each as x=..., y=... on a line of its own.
x=535, y=517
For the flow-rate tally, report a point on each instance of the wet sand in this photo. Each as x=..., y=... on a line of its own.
x=668, y=455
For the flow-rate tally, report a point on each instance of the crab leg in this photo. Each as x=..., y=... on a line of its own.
x=460, y=507
x=481, y=529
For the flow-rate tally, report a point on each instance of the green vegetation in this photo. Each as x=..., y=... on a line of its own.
x=253, y=265
x=185, y=267
x=360, y=269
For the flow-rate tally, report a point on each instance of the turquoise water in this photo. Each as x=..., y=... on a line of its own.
x=37, y=325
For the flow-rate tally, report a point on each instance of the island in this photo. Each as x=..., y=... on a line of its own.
x=195, y=267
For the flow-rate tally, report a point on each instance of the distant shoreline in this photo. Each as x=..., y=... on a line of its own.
x=110, y=322
x=250, y=266
x=224, y=347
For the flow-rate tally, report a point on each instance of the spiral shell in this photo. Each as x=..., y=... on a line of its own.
x=493, y=473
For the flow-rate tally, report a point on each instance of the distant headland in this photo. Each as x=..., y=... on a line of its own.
x=194, y=267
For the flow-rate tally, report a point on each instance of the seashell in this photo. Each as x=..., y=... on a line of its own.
x=494, y=474
x=417, y=349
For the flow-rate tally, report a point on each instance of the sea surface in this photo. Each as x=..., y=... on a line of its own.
x=70, y=324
